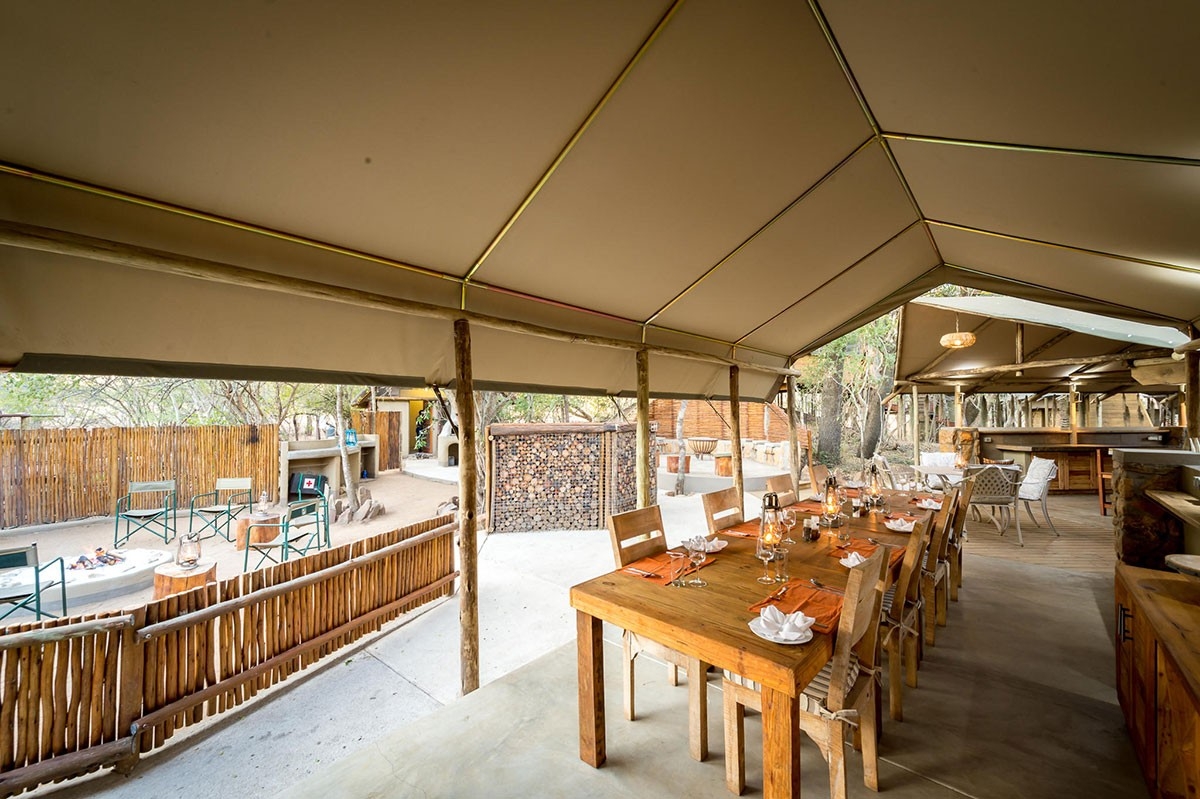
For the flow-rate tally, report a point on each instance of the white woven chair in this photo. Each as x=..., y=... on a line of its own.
x=1036, y=486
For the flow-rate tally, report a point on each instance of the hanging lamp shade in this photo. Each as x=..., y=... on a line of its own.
x=959, y=339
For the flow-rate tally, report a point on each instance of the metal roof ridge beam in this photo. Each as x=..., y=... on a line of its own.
x=1170, y=160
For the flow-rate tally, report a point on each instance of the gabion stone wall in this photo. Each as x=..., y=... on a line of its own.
x=562, y=476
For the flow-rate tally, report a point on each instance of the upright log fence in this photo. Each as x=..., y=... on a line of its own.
x=86, y=692
x=54, y=475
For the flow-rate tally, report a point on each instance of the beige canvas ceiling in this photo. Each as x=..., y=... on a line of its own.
x=1048, y=334
x=745, y=180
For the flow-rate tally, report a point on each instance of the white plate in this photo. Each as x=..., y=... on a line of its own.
x=759, y=629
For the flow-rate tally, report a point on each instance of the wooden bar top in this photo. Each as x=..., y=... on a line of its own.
x=1065, y=447
x=1182, y=506
x=1171, y=604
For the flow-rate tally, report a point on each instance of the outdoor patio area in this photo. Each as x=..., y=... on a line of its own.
x=384, y=719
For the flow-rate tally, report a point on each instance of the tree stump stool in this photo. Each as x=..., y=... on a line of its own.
x=723, y=465
x=261, y=534
x=171, y=578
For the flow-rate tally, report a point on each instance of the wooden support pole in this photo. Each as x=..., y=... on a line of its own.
x=1073, y=412
x=958, y=406
x=644, y=499
x=735, y=432
x=468, y=611
x=916, y=429
x=1020, y=347
x=793, y=443
x=1192, y=390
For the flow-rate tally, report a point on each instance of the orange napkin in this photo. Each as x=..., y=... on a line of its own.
x=660, y=566
x=851, y=493
x=867, y=549
x=824, y=606
x=748, y=529
x=807, y=506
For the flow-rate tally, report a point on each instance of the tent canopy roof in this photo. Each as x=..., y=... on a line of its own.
x=745, y=180
x=1050, y=334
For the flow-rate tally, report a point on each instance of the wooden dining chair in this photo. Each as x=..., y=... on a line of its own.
x=781, y=484
x=818, y=474
x=935, y=574
x=722, y=509
x=843, y=692
x=958, y=536
x=902, y=619
x=634, y=535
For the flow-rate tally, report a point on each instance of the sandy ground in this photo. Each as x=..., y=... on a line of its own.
x=407, y=499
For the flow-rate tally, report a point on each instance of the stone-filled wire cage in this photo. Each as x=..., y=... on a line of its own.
x=562, y=476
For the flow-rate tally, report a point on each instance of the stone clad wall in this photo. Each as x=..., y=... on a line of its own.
x=1145, y=533
x=562, y=477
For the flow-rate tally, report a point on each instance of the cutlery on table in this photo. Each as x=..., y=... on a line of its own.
x=821, y=586
x=879, y=543
x=639, y=572
x=779, y=594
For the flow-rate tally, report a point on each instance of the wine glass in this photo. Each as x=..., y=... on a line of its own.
x=765, y=553
x=788, y=517
x=697, y=555
x=678, y=565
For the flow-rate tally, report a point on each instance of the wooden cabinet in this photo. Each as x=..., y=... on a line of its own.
x=1157, y=630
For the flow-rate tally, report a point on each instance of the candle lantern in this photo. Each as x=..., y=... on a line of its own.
x=188, y=555
x=874, y=488
x=831, y=505
x=770, y=528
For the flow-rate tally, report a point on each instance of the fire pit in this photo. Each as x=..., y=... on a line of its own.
x=701, y=446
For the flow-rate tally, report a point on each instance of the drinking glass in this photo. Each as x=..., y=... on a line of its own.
x=679, y=562
x=781, y=565
x=765, y=553
x=789, y=521
x=697, y=557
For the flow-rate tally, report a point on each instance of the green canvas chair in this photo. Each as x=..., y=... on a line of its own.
x=147, y=506
x=26, y=596
x=217, y=509
x=304, y=527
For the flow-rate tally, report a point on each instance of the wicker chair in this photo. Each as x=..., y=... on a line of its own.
x=996, y=489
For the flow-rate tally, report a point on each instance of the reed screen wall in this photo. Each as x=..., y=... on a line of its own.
x=711, y=419
x=54, y=475
x=80, y=693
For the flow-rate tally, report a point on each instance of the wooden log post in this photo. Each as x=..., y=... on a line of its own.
x=958, y=406
x=130, y=696
x=735, y=432
x=1073, y=411
x=1192, y=390
x=793, y=443
x=916, y=429
x=644, y=500
x=468, y=611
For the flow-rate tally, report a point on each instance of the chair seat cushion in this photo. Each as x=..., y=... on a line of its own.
x=212, y=509
x=144, y=513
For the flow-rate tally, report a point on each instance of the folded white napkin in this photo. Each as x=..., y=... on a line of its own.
x=701, y=543
x=929, y=504
x=852, y=560
x=773, y=623
x=899, y=525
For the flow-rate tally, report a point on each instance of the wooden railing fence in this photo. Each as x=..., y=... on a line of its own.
x=54, y=475
x=81, y=693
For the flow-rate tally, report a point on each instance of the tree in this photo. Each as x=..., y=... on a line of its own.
x=348, y=475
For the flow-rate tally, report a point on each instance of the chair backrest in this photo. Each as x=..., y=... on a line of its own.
x=943, y=524
x=937, y=459
x=235, y=484
x=722, y=509
x=818, y=473
x=1038, y=476
x=966, y=491
x=780, y=483
x=908, y=587
x=19, y=557
x=885, y=470
x=858, y=628
x=636, y=534
x=994, y=484
x=151, y=487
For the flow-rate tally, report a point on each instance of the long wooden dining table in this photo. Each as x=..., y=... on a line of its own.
x=710, y=623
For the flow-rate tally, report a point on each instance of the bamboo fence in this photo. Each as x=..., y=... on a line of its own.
x=54, y=475
x=80, y=693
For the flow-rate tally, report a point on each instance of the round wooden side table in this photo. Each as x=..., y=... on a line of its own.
x=171, y=578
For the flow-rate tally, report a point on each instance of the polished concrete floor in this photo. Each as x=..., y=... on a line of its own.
x=1016, y=700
